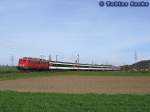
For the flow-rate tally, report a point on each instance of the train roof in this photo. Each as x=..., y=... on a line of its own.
x=81, y=64
x=34, y=59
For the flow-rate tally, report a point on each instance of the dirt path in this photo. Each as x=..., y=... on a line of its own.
x=80, y=84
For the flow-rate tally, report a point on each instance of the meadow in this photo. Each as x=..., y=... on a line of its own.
x=8, y=73
x=61, y=102
x=54, y=102
x=17, y=75
x=8, y=69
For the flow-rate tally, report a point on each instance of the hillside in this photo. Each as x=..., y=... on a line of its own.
x=143, y=65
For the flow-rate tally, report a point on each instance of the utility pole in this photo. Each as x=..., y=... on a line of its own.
x=78, y=61
x=56, y=58
x=42, y=56
x=12, y=60
x=135, y=56
x=78, y=58
x=135, y=59
x=50, y=58
x=92, y=62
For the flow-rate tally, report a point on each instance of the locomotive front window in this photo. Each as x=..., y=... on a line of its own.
x=20, y=60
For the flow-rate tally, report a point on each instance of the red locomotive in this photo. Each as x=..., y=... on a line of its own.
x=28, y=63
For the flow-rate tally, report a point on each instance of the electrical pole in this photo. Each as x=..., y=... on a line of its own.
x=135, y=56
x=78, y=58
x=12, y=60
x=50, y=58
x=92, y=62
x=56, y=58
x=135, y=59
x=42, y=56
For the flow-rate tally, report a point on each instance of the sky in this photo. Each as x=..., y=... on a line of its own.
x=31, y=28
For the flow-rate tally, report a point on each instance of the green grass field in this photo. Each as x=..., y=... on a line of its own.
x=53, y=102
x=8, y=73
x=8, y=69
x=16, y=75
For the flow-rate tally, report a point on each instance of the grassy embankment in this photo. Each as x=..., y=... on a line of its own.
x=7, y=73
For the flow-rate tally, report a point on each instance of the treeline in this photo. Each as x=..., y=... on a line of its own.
x=143, y=66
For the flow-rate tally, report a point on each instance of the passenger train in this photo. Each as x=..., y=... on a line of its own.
x=28, y=63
